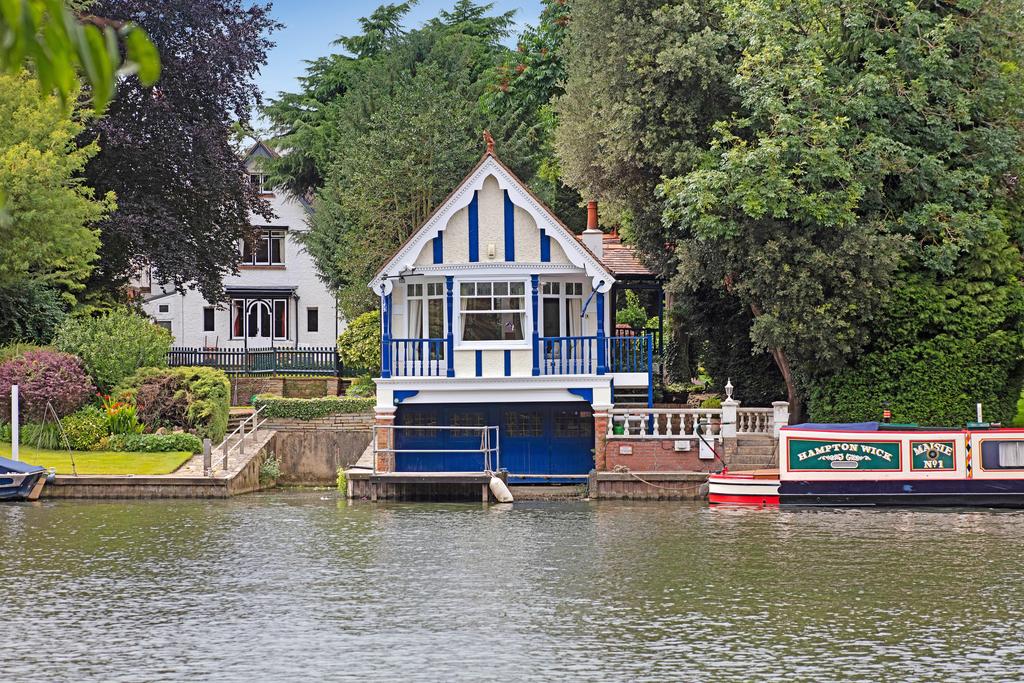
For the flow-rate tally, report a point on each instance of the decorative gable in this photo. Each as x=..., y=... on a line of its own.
x=493, y=223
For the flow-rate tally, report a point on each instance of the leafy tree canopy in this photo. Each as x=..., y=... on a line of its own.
x=183, y=201
x=862, y=199
x=383, y=133
x=47, y=233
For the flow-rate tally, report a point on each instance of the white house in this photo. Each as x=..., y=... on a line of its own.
x=495, y=314
x=276, y=299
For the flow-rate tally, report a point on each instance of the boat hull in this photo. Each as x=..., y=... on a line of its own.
x=17, y=486
x=755, y=489
x=1006, y=493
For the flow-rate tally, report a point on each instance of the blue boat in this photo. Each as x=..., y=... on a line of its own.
x=21, y=481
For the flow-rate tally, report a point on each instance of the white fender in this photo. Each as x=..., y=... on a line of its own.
x=500, y=491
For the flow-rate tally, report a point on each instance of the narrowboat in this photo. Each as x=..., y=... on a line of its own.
x=873, y=463
x=21, y=481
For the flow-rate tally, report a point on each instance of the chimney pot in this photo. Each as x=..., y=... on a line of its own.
x=593, y=238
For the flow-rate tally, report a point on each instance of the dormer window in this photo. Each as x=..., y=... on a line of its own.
x=259, y=181
x=266, y=250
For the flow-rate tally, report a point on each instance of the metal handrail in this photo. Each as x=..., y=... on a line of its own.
x=486, y=449
x=225, y=446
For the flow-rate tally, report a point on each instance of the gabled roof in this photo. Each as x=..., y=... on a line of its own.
x=521, y=195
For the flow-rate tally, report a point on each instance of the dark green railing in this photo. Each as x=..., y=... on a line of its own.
x=309, y=361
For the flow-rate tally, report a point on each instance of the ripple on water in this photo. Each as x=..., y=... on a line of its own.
x=291, y=586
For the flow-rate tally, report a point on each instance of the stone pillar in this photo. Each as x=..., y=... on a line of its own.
x=730, y=446
x=780, y=418
x=385, y=439
x=601, y=420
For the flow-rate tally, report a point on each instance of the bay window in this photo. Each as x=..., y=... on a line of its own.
x=492, y=311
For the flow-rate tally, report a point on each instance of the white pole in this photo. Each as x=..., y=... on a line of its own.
x=979, y=413
x=14, y=422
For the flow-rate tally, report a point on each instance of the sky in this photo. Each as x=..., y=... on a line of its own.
x=310, y=26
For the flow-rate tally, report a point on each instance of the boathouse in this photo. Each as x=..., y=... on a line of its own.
x=499, y=348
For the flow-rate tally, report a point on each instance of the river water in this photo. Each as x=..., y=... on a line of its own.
x=303, y=586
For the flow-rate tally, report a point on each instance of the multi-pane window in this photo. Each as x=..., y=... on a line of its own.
x=492, y=311
x=524, y=423
x=561, y=309
x=574, y=424
x=474, y=418
x=259, y=319
x=259, y=182
x=266, y=250
x=426, y=310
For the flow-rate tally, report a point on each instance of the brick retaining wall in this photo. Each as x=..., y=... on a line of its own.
x=656, y=455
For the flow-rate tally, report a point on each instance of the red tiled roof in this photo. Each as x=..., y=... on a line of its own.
x=621, y=259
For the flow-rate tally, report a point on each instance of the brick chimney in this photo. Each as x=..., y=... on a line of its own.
x=593, y=238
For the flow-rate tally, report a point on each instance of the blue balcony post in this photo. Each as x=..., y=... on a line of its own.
x=449, y=284
x=385, y=337
x=534, y=286
x=602, y=362
x=650, y=371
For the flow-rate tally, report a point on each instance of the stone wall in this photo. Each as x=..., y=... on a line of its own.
x=311, y=451
x=647, y=486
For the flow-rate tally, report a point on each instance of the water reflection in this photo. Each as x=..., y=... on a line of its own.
x=302, y=586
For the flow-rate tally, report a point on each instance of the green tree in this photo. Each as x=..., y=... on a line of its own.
x=861, y=201
x=114, y=345
x=359, y=344
x=646, y=80
x=385, y=132
x=47, y=235
x=60, y=41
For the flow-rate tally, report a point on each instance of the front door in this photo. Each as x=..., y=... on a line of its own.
x=260, y=319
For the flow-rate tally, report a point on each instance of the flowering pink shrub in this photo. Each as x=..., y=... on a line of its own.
x=44, y=376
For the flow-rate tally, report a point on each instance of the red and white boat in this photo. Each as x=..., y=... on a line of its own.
x=759, y=488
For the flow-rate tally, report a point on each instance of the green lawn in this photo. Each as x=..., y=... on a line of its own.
x=100, y=462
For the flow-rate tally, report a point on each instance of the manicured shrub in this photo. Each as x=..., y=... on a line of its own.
x=359, y=344
x=363, y=387
x=115, y=345
x=86, y=428
x=711, y=403
x=206, y=391
x=44, y=376
x=155, y=443
x=310, y=408
x=161, y=402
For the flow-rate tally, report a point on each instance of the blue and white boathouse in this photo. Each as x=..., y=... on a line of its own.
x=499, y=347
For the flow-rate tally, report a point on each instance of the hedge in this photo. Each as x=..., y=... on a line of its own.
x=310, y=408
x=85, y=428
x=155, y=443
x=207, y=391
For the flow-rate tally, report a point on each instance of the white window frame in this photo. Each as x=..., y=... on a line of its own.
x=425, y=298
x=246, y=305
x=527, y=340
x=563, y=296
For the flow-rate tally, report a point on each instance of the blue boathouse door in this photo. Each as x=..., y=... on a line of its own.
x=545, y=440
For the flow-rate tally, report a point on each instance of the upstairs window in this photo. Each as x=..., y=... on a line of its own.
x=492, y=311
x=266, y=250
x=259, y=182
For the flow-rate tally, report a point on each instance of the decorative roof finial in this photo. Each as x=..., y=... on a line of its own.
x=489, y=139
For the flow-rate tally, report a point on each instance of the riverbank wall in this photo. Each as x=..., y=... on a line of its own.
x=311, y=451
x=241, y=476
